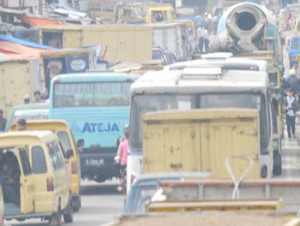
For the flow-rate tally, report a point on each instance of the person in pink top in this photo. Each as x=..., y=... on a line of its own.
x=122, y=158
x=123, y=149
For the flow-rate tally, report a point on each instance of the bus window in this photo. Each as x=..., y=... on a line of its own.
x=91, y=94
x=157, y=102
x=254, y=101
x=64, y=140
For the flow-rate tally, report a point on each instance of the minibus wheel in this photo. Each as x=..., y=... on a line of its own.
x=277, y=164
x=264, y=171
x=68, y=212
x=55, y=219
x=77, y=204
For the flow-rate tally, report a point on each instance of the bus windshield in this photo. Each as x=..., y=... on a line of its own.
x=91, y=94
x=96, y=111
x=142, y=104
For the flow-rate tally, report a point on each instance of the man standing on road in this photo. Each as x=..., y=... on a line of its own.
x=2, y=121
x=201, y=34
x=290, y=107
x=122, y=158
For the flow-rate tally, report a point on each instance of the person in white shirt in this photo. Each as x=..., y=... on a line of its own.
x=290, y=107
x=201, y=33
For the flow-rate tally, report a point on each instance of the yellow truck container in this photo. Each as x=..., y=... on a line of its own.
x=18, y=78
x=124, y=42
x=201, y=140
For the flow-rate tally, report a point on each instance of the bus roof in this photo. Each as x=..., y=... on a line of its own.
x=27, y=111
x=230, y=63
x=95, y=76
x=47, y=124
x=43, y=105
x=23, y=137
x=176, y=81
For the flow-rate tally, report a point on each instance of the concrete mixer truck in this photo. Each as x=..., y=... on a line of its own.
x=248, y=29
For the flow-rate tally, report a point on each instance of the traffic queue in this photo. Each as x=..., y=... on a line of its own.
x=180, y=126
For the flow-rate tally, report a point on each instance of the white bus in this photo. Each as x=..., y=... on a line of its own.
x=195, y=88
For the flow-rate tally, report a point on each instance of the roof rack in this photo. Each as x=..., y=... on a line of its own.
x=199, y=66
x=213, y=73
x=217, y=55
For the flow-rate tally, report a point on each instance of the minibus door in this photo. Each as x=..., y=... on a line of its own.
x=26, y=181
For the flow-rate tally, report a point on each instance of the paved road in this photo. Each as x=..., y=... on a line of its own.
x=291, y=154
x=101, y=203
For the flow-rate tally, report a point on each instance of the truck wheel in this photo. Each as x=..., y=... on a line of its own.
x=68, y=213
x=55, y=219
x=76, y=204
x=277, y=164
x=264, y=171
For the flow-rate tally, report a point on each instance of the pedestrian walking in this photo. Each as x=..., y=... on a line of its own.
x=290, y=108
x=206, y=41
x=201, y=34
x=121, y=157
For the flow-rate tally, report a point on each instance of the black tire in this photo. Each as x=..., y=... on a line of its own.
x=277, y=164
x=55, y=219
x=68, y=212
x=76, y=204
x=264, y=171
x=79, y=201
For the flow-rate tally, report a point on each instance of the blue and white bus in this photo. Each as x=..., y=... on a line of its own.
x=96, y=107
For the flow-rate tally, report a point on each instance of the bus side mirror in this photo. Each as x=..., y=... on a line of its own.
x=80, y=143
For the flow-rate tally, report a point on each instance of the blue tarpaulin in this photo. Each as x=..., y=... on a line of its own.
x=25, y=43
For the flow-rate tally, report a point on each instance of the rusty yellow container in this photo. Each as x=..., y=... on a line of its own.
x=201, y=140
x=18, y=78
x=124, y=42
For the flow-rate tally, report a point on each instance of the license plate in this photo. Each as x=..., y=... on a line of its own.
x=94, y=162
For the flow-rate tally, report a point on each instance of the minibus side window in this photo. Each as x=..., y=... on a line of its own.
x=56, y=155
x=38, y=160
x=64, y=140
x=25, y=161
x=60, y=154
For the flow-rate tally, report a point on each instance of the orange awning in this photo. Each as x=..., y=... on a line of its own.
x=16, y=51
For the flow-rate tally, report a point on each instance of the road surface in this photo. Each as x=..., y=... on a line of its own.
x=101, y=203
